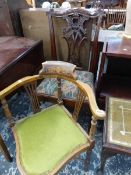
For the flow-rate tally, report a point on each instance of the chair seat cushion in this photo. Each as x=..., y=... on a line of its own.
x=46, y=138
x=69, y=90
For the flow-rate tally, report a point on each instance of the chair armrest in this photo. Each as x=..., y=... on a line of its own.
x=97, y=113
x=9, y=89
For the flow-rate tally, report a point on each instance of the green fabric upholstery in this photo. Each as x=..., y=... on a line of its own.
x=69, y=90
x=46, y=138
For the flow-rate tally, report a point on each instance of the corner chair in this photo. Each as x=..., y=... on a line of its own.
x=49, y=138
x=73, y=37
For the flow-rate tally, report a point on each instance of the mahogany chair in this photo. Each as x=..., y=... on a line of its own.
x=48, y=139
x=71, y=34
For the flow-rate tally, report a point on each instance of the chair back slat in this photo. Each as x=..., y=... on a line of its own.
x=59, y=91
x=31, y=91
x=79, y=102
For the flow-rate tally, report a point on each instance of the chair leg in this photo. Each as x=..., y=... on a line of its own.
x=4, y=150
x=87, y=160
x=104, y=155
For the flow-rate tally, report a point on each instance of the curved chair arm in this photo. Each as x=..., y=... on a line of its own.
x=17, y=84
x=97, y=113
x=8, y=90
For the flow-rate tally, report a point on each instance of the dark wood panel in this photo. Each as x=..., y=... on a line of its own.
x=119, y=48
x=6, y=27
x=115, y=86
x=24, y=62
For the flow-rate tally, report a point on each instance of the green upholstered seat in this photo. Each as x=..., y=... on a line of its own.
x=46, y=138
x=69, y=90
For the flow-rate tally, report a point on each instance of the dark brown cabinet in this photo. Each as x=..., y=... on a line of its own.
x=115, y=82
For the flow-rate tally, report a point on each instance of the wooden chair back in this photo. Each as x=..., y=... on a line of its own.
x=71, y=37
x=4, y=150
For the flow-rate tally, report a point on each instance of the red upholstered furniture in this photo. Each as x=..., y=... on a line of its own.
x=19, y=57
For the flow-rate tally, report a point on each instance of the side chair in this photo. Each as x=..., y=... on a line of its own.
x=50, y=137
x=73, y=37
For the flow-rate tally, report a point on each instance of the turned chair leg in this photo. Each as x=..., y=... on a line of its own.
x=87, y=160
x=104, y=155
x=4, y=150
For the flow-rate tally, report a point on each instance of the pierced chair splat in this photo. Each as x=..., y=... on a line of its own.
x=71, y=41
x=48, y=139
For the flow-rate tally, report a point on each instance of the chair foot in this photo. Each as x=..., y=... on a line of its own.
x=87, y=160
